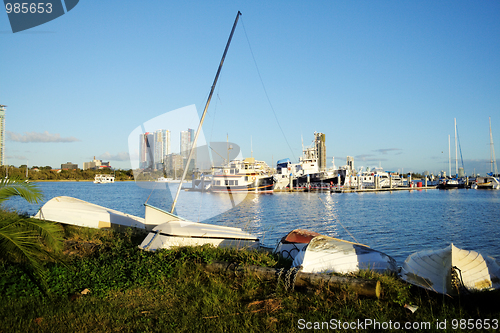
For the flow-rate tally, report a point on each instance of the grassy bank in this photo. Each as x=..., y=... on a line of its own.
x=169, y=291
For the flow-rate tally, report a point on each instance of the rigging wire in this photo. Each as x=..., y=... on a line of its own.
x=460, y=148
x=265, y=90
x=339, y=221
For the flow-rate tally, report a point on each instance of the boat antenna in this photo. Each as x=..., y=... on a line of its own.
x=204, y=113
x=251, y=147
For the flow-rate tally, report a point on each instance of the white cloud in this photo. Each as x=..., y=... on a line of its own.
x=38, y=137
x=123, y=156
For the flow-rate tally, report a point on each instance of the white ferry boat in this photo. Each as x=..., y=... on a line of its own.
x=104, y=179
x=242, y=176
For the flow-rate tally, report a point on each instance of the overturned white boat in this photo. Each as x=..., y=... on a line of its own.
x=81, y=213
x=450, y=270
x=326, y=254
x=173, y=231
x=291, y=244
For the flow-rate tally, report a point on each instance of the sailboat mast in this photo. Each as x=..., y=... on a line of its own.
x=449, y=155
x=493, y=159
x=456, y=151
x=204, y=113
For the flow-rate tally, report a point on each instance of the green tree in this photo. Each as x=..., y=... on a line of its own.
x=23, y=239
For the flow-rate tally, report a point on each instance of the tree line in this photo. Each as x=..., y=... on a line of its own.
x=47, y=173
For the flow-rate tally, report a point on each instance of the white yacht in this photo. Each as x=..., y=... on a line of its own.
x=247, y=175
x=104, y=179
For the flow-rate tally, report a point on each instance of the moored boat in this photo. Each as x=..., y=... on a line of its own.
x=326, y=254
x=246, y=175
x=104, y=179
x=451, y=270
x=488, y=183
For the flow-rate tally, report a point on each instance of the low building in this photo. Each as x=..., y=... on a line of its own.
x=69, y=166
x=96, y=165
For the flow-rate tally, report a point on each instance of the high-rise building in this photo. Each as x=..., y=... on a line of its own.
x=187, y=138
x=146, y=150
x=2, y=134
x=161, y=146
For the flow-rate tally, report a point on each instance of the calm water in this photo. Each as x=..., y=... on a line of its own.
x=397, y=223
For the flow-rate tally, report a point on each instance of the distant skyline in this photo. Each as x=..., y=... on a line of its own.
x=382, y=80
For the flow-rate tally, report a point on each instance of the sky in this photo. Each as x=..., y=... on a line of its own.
x=384, y=80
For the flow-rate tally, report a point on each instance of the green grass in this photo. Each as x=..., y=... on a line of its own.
x=168, y=291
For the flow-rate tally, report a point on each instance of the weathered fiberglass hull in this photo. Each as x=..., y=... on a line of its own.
x=291, y=244
x=69, y=210
x=450, y=270
x=325, y=254
x=172, y=231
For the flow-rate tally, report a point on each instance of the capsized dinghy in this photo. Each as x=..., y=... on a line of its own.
x=326, y=254
x=448, y=270
x=290, y=245
x=174, y=231
x=74, y=211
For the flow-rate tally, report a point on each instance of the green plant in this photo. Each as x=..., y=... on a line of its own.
x=26, y=240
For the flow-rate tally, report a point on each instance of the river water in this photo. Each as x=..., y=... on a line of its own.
x=398, y=223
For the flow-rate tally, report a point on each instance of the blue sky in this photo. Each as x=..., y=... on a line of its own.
x=382, y=79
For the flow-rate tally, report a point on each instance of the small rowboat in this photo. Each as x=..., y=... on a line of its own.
x=173, y=231
x=290, y=245
x=451, y=270
x=325, y=254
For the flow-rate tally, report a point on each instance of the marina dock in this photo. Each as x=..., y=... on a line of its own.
x=356, y=190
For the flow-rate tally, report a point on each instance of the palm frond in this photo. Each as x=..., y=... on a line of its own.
x=10, y=187
x=19, y=245
x=50, y=233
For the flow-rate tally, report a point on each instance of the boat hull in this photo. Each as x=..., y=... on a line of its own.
x=259, y=185
x=77, y=212
x=172, y=231
x=448, y=270
x=177, y=234
x=290, y=245
x=331, y=255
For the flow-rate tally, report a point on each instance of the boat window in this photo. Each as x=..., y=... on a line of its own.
x=227, y=182
x=246, y=178
x=235, y=182
x=231, y=182
x=217, y=182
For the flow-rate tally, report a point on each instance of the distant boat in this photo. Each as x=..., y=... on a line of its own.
x=492, y=181
x=104, y=179
x=325, y=254
x=451, y=270
x=246, y=175
x=452, y=182
x=488, y=183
